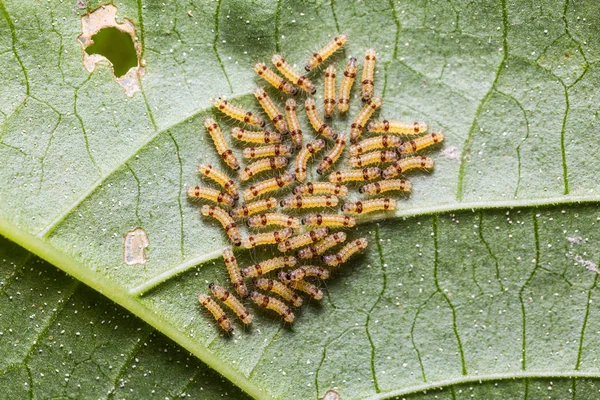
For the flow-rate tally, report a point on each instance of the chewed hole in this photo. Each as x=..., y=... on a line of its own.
x=117, y=47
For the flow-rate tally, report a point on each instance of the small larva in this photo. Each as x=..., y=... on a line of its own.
x=321, y=187
x=238, y=113
x=271, y=110
x=232, y=302
x=333, y=155
x=397, y=127
x=348, y=175
x=406, y=164
x=303, y=286
x=273, y=304
x=216, y=311
x=329, y=91
x=275, y=80
x=274, y=219
x=323, y=54
x=299, y=201
x=273, y=285
x=292, y=75
x=374, y=143
x=367, y=206
x=421, y=143
x=345, y=252
x=315, y=120
x=267, y=151
x=231, y=228
x=291, y=117
x=255, y=136
x=332, y=220
x=362, y=117
x=307, y=271
x=268, y=185
x=234, y=273
x=374, y=157
x=199, y=192
x=303, y=156
x=222, y=147
x=259, y=166
x=260, y=239
x=219, y=177
x=302, y=240
x=268, y=266
x=321, y=247
x=386, y=186
x=253, y=208
x=346, y=85
x=368, y=73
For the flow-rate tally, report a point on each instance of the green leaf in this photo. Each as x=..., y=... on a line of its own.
x=439, y=300
x=60, y=339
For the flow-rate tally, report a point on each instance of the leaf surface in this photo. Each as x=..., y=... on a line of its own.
x=437, y=300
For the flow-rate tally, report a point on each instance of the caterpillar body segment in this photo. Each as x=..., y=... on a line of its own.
x=303, y=286
x=267, y=151
x=323, y=54
x=232, y=302
x=220, y=178
x=333, y=155
x=299, y=201
x=291, y=116
x=329, y=91
x=329, y=220
x=374, y=157
x=350, y=175
x=231, y=228
x=235, y=274
x=277, y=287
x=271, y=110
x=274, y=219
x=216, y=311
x=268, y=266
x=303, y=156
x=406, y=164
x=400, y=185
x=367, y=206
x=346, y=85
x=274, y=80
x=238, y=113
x=362, y=117
x=199, y=192
x=220, y=144
x=274, y=304
x=321, y=188
x=292, y=75
x=303, y=239
x=420, y=143
x=368, y=74
x=308, y=271
x=246, y=210
x=260, y=239
x=374, y=143
x=315, y=120
x=397, y=127
x=255, y=136
x=268, y=185
x=321, y=247
x=335, y=260
x=259, y=166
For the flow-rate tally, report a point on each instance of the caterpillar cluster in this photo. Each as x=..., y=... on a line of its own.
x=301, y=223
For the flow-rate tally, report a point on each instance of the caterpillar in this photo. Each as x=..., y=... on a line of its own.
x=303, y=156
x=260, y=239
x=303, y=286
x=397, y=127
x=333, y=155
x=299, y=201
x=323, y=54
x=268, y=266
x=234, y=273
x=331, y=220
x=255, y=136
x=386, y=186
x=303, y=239
x=421, y=143
x=346, y=85
x=329, y=91
x=238, y=113
x=275, y=286
x=290, y=73
x=222, y=147
x=271, y=110
x=268, y=185
x=362, y=117
x=232, y=302
x=221, y=178
x=367, y=206
x=374, y=157
x=275, y=80
x=274, y=304
x=368, y=73
x=216, y=311
x=267, y=151
x=321, y=247
x=315, y=120
x=321, y=187
x=374, y=143
x=259, y=166
x=335, y=260
x=406, y=164
x=307, y=271
x=231, y=228
x=253, y=208
x=199, y=192
x=291, y=117
x=348, y=175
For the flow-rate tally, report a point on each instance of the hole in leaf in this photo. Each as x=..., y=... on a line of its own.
x=117, y=47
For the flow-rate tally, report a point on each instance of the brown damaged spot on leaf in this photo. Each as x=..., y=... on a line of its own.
x=106, y=17
x=135, y=243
